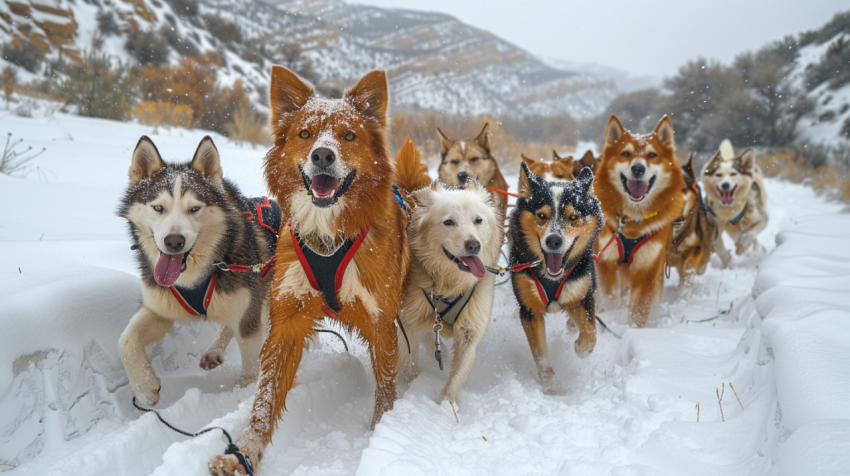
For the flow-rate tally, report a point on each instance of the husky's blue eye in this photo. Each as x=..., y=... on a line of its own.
x=449, y=223
x=194, y=209
x=158, y=208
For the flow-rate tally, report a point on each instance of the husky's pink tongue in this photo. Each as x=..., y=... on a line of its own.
x=476, y=267
x=167, y=269
x=553, y=262
x=323, y=184
x=727, y=197
x=637, y=189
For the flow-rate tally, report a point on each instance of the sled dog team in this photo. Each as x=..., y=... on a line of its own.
x=374, y=244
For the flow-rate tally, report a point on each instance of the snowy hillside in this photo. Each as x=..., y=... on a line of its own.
x=433, y=60
x=68, y=287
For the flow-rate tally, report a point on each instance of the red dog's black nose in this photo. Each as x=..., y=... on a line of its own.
x=638, y=171
x=323, y=157
x=472, y=247
x=174, y=242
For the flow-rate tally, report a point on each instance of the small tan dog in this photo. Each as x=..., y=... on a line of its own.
x=736, y=196
x=471, y=159
x=694, y=235
x=454, y=234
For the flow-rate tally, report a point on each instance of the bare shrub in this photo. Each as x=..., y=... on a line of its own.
x=247, y=126
x=160, y=113
x=14, y=160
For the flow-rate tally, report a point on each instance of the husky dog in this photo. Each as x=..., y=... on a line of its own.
x=343, y=253
x=560, y=169
x=471, y=158
x=454, y=233
x=639, y=186
x=694, y=234
x=184, y=220
x=736, y=196
x=553, y=229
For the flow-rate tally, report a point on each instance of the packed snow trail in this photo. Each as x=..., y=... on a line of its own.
x=629, y=408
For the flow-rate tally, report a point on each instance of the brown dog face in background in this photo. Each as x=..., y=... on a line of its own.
x=560, y=169
x=471, y=159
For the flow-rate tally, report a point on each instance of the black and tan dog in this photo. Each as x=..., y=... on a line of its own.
x=553, y=229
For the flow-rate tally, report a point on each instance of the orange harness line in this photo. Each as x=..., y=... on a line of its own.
x=499, y=190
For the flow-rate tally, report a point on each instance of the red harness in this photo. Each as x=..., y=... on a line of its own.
x=335, y=267
x=192, y=297
x=626, y=246
x=544, y=296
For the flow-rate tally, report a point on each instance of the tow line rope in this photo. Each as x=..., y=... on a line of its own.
x=503, y=192
x=232, y=449
x=260, y=269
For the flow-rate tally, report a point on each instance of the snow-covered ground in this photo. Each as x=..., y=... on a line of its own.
x=68, y=287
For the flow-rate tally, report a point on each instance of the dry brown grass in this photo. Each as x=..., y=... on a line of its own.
x=248, y=126
x=830, y=180
x=161, y=113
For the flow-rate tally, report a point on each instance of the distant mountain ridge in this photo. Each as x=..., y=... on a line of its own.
x=433, y=60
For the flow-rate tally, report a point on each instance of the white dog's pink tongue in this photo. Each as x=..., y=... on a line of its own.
x=167, y=269
x=636, y=188
x=476, y=267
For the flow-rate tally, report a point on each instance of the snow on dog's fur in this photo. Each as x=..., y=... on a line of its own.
x=639, y=186
x=329, y=165
x=189, y=211
x=736, y=196
x=454, y=233
x=553, y=228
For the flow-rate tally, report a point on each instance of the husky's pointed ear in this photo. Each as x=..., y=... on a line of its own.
x=747, y=162
x=445, y=143
x=525, y=181
x=585, y=179
x=713, y=163
x=689, y=172
x=146, y=161
x=288, y=93
x=370, y=96
x=483, y=138
x=664, y=132
x=206, y=160
x=527, y=160
x=614, y=132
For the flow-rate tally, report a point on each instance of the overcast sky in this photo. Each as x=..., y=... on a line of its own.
x=643, y=37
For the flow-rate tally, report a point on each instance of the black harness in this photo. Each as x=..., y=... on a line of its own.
x=449, y=309
x=325, y=272
x=549, y=290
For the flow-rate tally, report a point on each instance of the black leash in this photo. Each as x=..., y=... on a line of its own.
x=232, y=449
x=609, y=330
x=334, y=333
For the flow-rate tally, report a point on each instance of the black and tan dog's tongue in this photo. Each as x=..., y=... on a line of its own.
x=476, y=267
x=553, y=262
x=323, y=184
x=168, y=269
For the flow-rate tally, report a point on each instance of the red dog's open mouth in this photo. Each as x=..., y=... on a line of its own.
x=727, y=196
x=325, y=189
x=637, y=189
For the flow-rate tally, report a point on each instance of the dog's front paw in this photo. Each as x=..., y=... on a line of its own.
x=226, y=465
x=147, y=388
x=585, y=343
x=211, y=359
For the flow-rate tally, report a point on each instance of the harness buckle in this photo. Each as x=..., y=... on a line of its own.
x=438, y=326
x=221, y=266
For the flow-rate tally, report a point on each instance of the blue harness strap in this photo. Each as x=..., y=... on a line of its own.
x=738, y=218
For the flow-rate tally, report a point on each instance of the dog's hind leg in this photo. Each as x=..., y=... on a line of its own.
x=145, y=328
x=214, y=356
x=409, y=362
x=535, y=331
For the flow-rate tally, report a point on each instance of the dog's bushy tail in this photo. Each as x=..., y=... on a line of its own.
x=411, y=173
